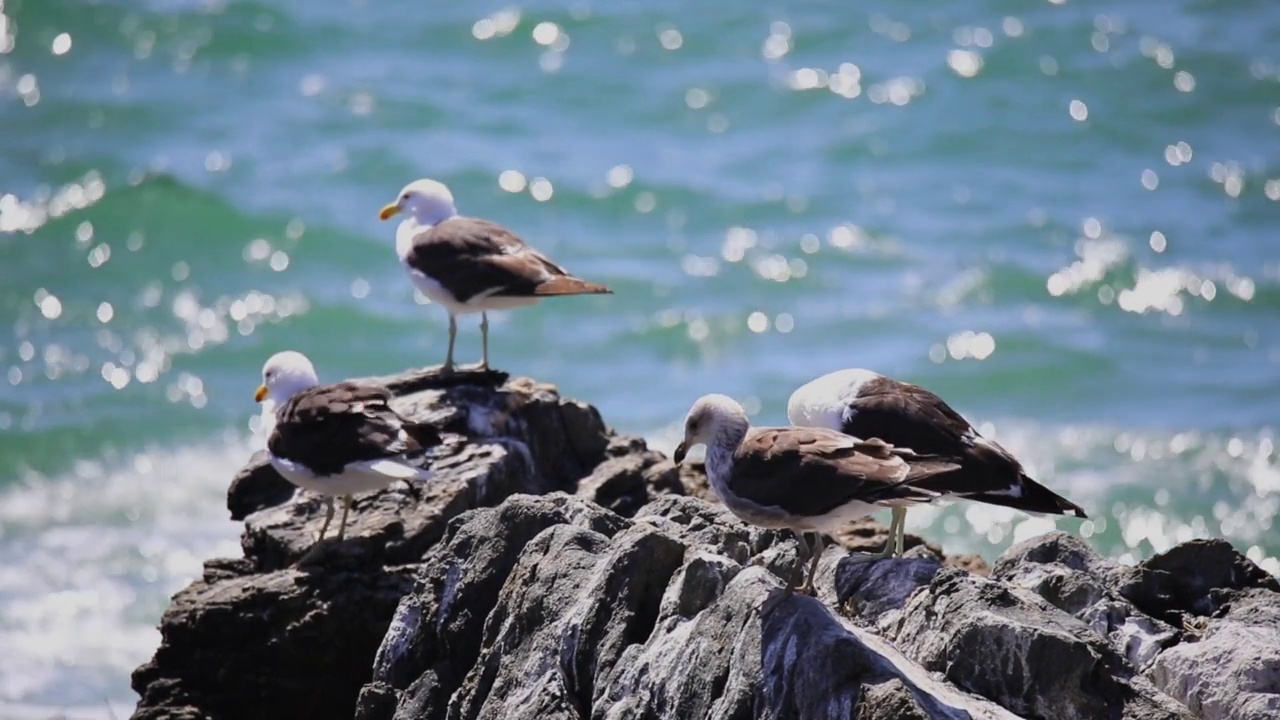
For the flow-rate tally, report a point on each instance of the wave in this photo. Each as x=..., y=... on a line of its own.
x=87, y=566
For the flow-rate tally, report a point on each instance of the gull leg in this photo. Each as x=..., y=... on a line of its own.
x=892, y=547
x=484, y=340
x=818, y=547
x=346, y=508
x=453, y=336
x=900, y=519
x=892, y=544
x=328, y=517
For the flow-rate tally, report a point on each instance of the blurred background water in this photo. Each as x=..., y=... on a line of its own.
x=1061, y=216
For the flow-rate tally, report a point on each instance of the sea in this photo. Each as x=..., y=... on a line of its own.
x=1063, y=217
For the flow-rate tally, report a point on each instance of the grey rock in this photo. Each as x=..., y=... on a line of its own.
x=630, y=477
x=814, y=665
x=1015, y=648
x=554, y=569
x=263, y=636
x=674, y=613
x=889, y=700
x=257, y=486
x=870, y=590
x=1065, y=571
x=1232, y=672
x=283, y=640
x=1197, y=577
x=438, y=628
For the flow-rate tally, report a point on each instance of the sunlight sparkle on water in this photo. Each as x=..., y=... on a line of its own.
x=61, y=44
x=541, y=189
x=620, y=176
x=512, y=181
x=497, y=25
x=965, y=63
x=27, y=217
x=778, y=43
x=546, y=33
x=670, y=38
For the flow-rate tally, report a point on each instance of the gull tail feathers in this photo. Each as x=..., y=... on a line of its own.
x=1029, y=496
x=569, y=285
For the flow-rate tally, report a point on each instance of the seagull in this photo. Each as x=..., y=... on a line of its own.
x=805, y=479
x=865, y=404
x=470, y=265
x=340, y=439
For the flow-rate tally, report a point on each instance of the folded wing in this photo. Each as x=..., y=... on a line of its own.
x=813, y=471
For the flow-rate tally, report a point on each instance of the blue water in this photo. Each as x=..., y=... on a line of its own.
x=1063, y=217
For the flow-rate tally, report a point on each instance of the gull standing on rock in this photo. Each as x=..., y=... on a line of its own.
x=337, y=440
x=865, y=404
x=470, y=265
x=805, y=479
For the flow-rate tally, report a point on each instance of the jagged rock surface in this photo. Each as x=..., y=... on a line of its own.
x=266, y=637
x=553, y=569
x=659, y=616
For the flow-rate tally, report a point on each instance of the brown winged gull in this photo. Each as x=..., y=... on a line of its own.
x=866, y=404
x=340, y=439
x=470, y=265
x=805, y=479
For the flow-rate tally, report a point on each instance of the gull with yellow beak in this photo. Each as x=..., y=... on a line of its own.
x=337, y=440
x=469, y=265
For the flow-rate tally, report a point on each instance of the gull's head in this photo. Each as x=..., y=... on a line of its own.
x=284, y=375
x=428, y=201
x=712, y=416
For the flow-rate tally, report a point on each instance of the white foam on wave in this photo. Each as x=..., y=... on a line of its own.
x=88, y=562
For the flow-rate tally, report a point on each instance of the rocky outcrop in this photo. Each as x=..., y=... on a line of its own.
x=678, y=612
x=264, y=636
x=552, y=569
x=1201, y=622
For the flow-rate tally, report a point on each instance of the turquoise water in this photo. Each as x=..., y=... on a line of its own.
x=1063, y=217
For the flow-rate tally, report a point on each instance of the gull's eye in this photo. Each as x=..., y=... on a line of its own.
x=404, y=196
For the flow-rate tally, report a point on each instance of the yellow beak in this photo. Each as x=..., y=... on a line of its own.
x=261, y=394
x=388, y=211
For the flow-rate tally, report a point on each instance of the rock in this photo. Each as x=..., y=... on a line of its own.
x=264, y=637
x=285, y=641
x=870, y=590
x=1232, y=672
x=554, y=569
x=889, y=700
x=460, y=582
x=675, y=613
x=1065, y=571
x=814, y=666
x=630, y=477
x=1195, y=578
x=257, y=486
x=1015, y=648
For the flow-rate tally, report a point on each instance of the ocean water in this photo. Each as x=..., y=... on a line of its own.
x=1062, y=216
